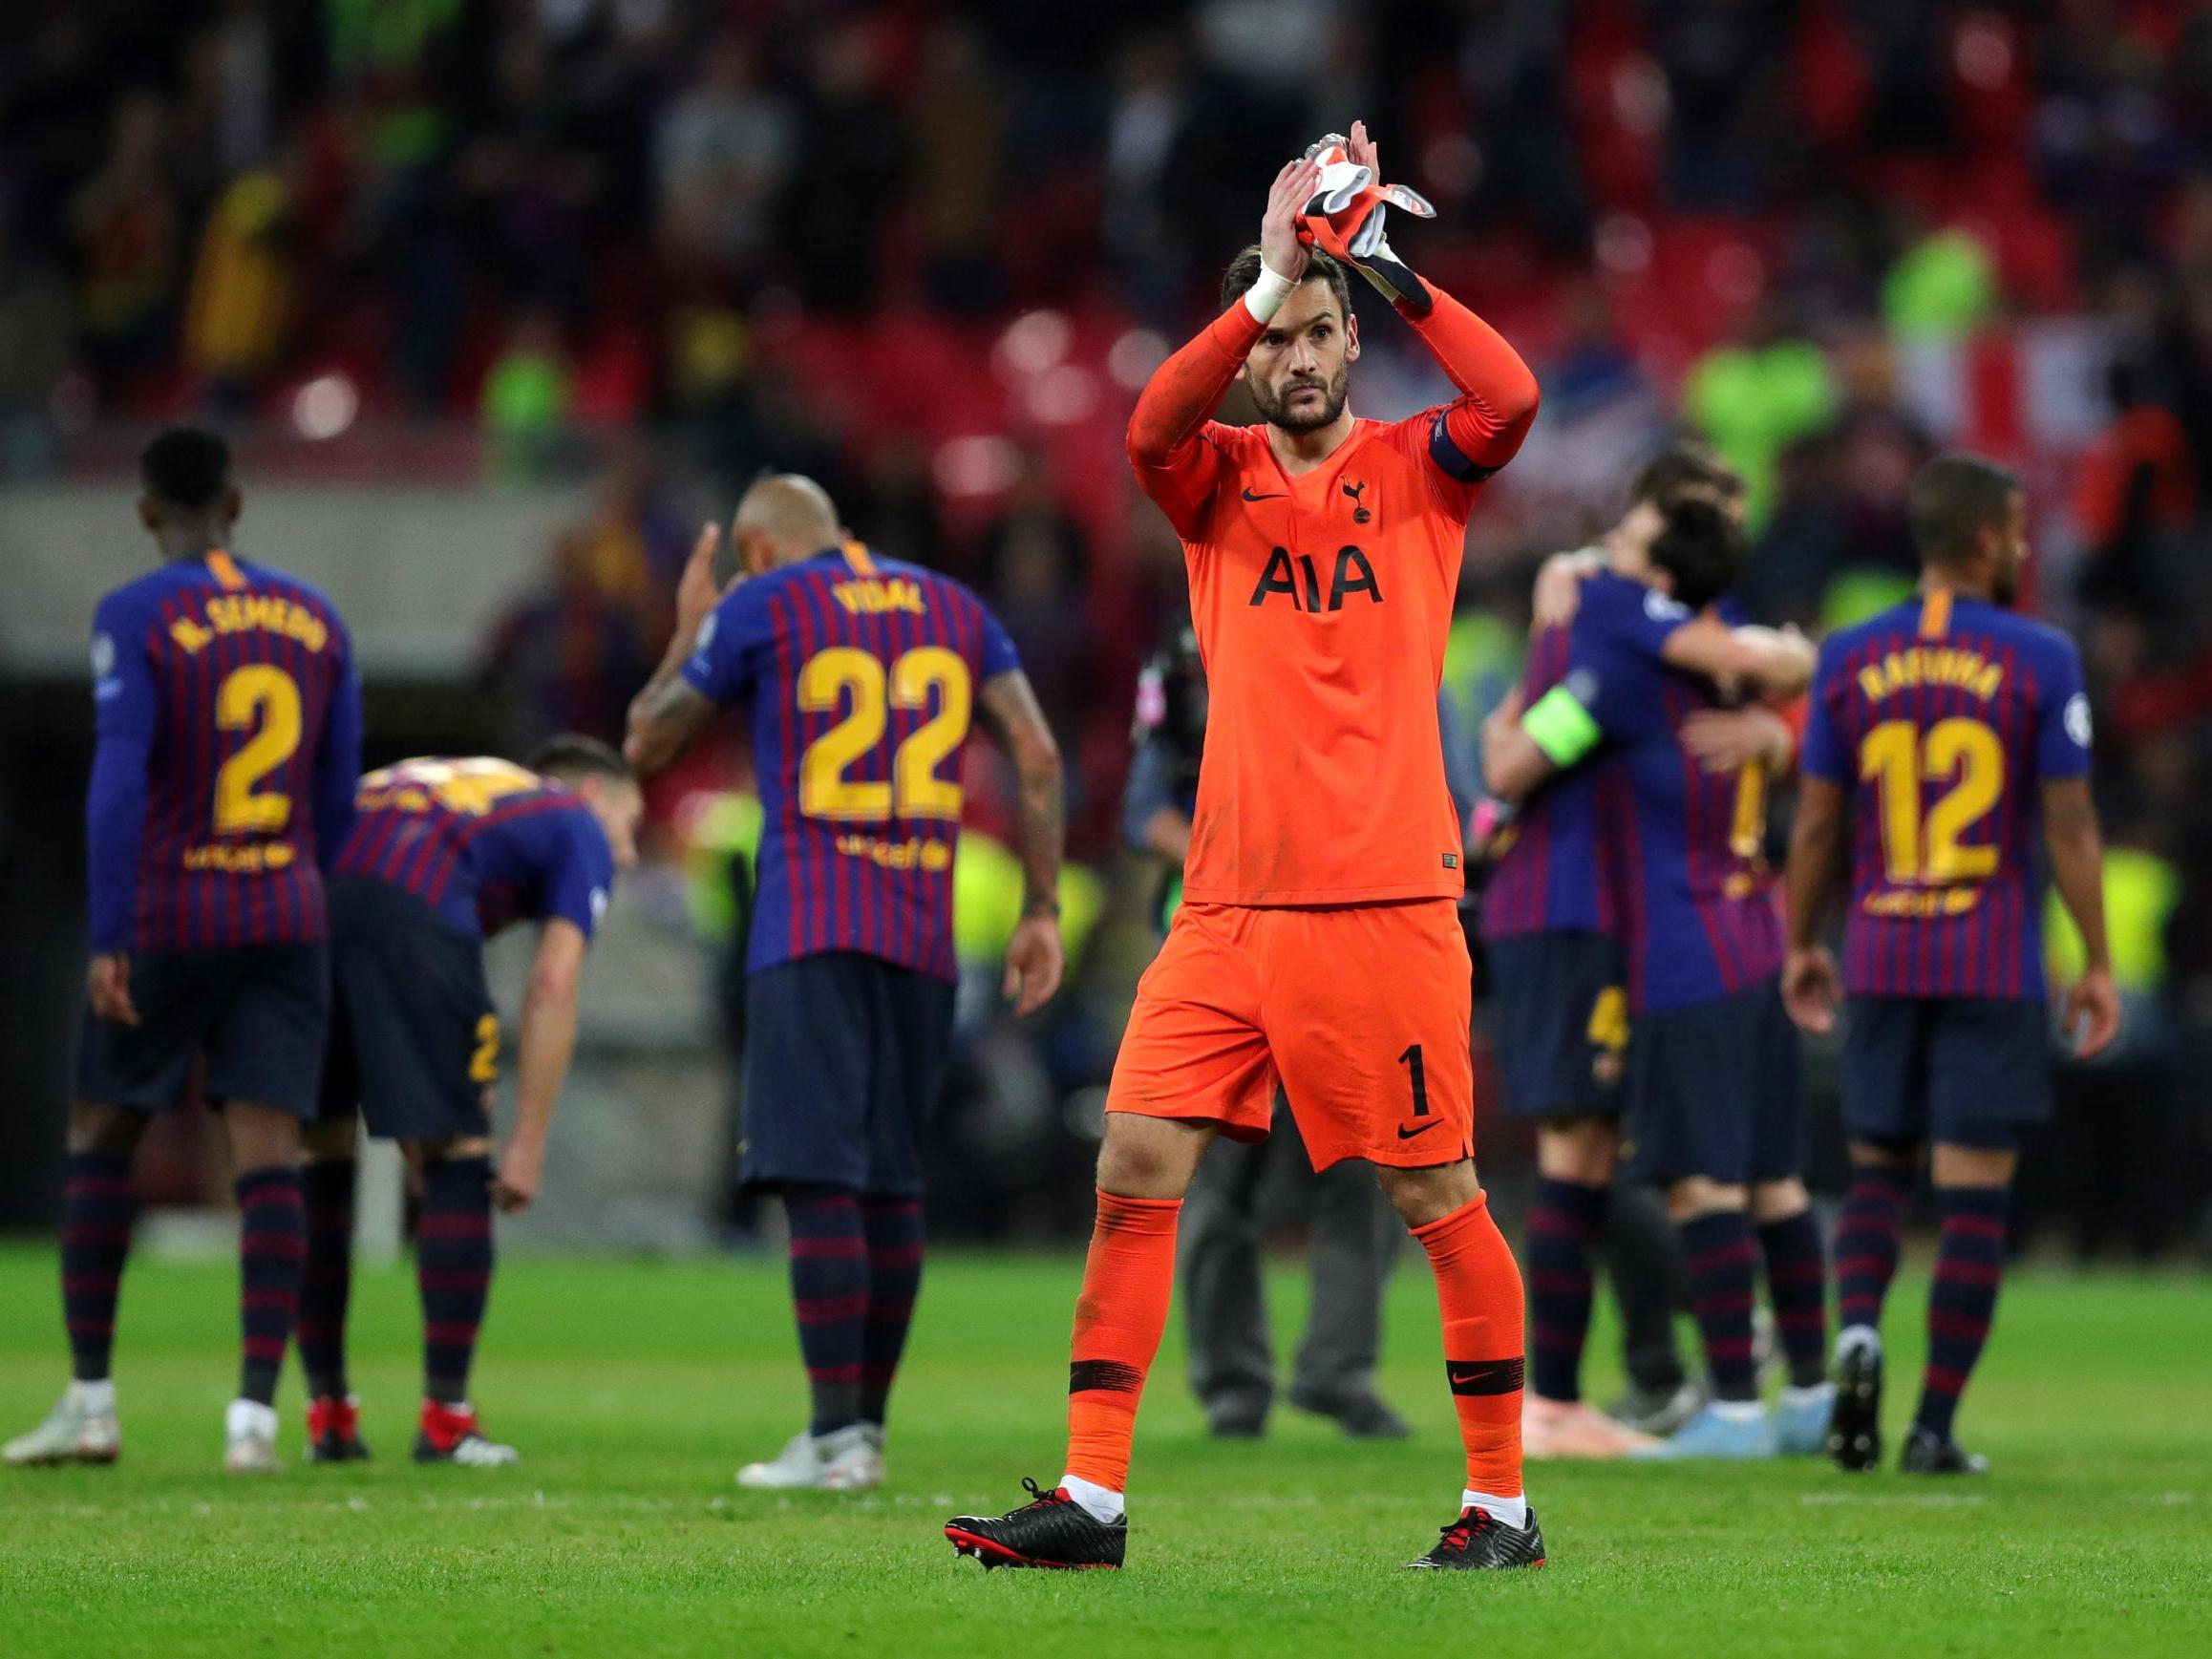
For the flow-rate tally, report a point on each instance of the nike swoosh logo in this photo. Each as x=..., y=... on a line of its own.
x=1409, y=1133
x=1271, y=496
x=1468, y=1377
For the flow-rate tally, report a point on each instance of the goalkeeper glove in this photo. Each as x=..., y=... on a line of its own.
x=1346, y=217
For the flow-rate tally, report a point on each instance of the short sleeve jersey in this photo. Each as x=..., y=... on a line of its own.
x=1553, y=874
x=1695, y=904
x=1322, y=605
x=860, y=675
x=1940, y=717
x=483, y=842
x=240, y=680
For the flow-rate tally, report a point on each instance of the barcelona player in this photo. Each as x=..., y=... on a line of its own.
x=229, y=735
x=1710, y=1072
x=863, y=678
x=444, y=854
x=1561, y=1030
x=1943, y=735
x=1318, y=943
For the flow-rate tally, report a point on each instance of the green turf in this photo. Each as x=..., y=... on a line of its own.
x=635, y=1388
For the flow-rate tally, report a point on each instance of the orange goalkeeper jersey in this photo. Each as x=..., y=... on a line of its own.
x=1322, y=605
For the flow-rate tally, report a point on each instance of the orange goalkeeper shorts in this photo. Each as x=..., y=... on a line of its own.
x=1360, y=1011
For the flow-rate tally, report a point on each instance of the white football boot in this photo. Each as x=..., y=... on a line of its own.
x=249, y=1437
x=850, y=1460
x=82, y=1428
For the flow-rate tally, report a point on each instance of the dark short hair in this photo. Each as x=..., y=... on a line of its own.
x=572, y=755
x=1954, y=498
x=187, y=467
x=1320, y=268
x=1687, y=467
x=1701, y=548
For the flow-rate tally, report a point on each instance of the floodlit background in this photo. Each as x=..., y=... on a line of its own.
x=500, y=298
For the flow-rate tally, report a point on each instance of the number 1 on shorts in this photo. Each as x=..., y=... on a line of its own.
x=1411, y=1059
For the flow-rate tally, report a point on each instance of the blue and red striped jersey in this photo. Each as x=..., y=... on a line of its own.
x=1940, y=716
x=862, y=676
x=482, y=841
x=1553, y=874
x=1697, y=903
x=228, y=720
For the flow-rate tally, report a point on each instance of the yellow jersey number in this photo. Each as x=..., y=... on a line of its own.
x=1896, y=757
x=1746, y=834
x=484, y=1059
x=264, y=701
x=843, y=677
x=471, y=787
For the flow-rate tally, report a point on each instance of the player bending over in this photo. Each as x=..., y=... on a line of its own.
x=445, y=854
x=230, y=733
x=1952, y=729
x=863, y=677
x=1711, y=1072
x=1318, y=941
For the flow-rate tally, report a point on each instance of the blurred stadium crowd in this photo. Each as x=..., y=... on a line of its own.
x=926, y=250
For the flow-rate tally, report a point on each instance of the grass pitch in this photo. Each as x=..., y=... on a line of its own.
x=636, y=1389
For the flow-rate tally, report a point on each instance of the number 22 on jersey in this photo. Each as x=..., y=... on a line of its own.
x=845, y=677
x=1928, y=850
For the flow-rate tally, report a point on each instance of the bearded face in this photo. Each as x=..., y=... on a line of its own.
x=1300, y=372
x=1304, y=402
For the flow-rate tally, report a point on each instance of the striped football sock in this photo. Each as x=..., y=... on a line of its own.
x=1798, y=1286
x=1722, y=1257
x=1866, y=1242
x=1564, y=1223
x=328, y=1284
x=95, y=1239
x=893, y=1227
x=453, y=1271
x=1962, y=1298
x=272, y=1252
x=829, y=1292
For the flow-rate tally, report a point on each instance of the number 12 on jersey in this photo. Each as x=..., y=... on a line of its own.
x=1928, y=849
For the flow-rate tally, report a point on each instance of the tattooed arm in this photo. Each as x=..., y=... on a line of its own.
x=664, y=718
x=1035, y=959
x=670, y=710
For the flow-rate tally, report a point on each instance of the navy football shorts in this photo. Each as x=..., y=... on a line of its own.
x=1560, y=1023
x=845, y=1056
x=1713, y=1091
x=415, y=1041
x=259, y=1014
x=1969, y=1070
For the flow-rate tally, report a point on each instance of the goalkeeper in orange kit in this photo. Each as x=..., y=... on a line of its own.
x=1318, y=943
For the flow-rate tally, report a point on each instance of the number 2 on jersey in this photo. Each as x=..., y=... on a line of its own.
x=1898, y=757
x=914, y=788
x=265, y=701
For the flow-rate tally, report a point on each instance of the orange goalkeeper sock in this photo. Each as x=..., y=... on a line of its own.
x=1119, y=1321
x=1479, y=1291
